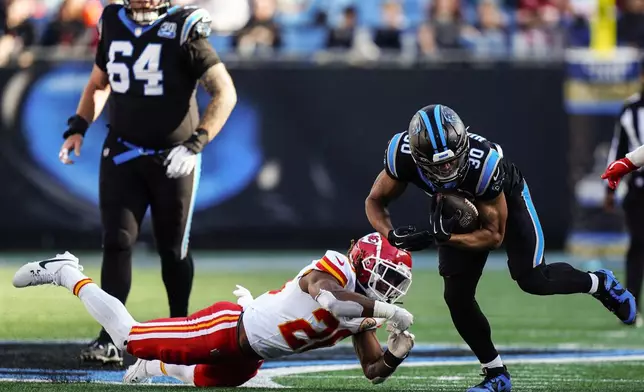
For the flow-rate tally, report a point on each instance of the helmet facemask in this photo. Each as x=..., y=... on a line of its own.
x=145, y=15
x=388, y=282
x=449, y=170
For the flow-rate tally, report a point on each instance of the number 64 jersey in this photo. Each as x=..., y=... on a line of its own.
x=489, y=173
x=153, y=72
x=288, y=321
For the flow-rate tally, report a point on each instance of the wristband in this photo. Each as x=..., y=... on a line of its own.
x=383, y=310
x=392, y=361
x=77, y=125
x=197, y=141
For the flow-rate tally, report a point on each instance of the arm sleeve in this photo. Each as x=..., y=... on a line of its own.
x=637, y=156
x=619, y=144
x=200, y=56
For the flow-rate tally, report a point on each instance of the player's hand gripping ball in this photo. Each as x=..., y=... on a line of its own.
x=469, y=215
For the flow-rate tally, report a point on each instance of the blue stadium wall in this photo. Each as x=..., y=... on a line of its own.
x=293, y=166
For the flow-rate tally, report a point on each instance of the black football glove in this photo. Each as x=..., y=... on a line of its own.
x=407, y=238
x=441, y=227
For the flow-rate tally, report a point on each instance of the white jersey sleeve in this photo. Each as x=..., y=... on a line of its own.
x=338, y=266
x=637, y=156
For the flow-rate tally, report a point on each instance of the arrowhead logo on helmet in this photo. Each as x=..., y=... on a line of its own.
x=383, y=272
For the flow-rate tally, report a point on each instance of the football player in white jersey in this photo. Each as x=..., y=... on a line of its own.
x=225, y=344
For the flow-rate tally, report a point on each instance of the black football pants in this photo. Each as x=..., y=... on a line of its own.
x=461, y=270
x=126, y=191
x=634, y=209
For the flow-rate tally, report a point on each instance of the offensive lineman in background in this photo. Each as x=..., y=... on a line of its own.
x=438, y=155
x=149, y=59
x=629, y=134
x=225, y=344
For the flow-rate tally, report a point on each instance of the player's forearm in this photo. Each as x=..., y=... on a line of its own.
x=637, y=156
x=219, y=85
x=92, y=101
x=378, y=215
x=344, y=303
x=479, y=239
x=217, y=113
x=378, y=371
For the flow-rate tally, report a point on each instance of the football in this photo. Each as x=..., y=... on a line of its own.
x=469, y=220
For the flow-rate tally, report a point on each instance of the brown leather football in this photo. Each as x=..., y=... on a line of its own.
x=469, y=220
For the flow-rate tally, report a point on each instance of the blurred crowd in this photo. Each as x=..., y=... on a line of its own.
x=521, y=28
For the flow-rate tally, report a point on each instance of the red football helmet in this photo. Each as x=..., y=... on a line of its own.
x=383, y=271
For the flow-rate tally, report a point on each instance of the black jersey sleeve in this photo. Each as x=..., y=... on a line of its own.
x=200, y=56
x=490, y=183
x=101, y=51
x=398, y=162
x=199, y=53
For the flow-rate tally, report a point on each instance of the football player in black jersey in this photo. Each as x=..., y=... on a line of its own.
x=439, y=156
x=150, y=57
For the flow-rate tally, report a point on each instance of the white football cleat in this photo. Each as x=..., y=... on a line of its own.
x=136, y=374
x=47, y=271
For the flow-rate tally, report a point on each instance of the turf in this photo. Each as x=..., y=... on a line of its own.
x=517, y=318
x=614, y=377
x=595, y=377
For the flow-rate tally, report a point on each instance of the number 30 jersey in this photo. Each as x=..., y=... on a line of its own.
x=153, y=72
x=288, y=321
x=489, y=173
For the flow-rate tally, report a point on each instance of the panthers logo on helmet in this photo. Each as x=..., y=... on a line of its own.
x=450, y=115
x=415, y=127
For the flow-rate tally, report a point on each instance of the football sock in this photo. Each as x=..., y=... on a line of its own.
x=183, y=373
x=594, y=283
x=105, y=309
x=69, y=276
x=495, y=363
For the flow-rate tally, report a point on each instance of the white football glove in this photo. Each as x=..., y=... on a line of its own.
x=399, y=343
x=181, y=162
x=398, y=317
x=401, y=320
x=244, y=297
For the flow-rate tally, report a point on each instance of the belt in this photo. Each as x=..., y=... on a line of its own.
x=133, y=152
x=242, y=340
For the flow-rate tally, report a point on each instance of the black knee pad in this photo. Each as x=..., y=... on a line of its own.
x=118, y=240
x=535, y=281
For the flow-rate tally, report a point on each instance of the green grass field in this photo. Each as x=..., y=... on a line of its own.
x=517, y=319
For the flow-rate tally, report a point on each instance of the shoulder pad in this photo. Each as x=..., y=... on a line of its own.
x=399, y=142
x=108, y=11
x=490, y=171
x=196, y=23
x=337, y=265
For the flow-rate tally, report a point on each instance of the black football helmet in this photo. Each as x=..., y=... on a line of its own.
x=440, y=146
x=145, y=15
